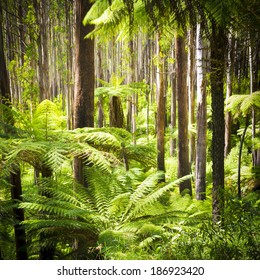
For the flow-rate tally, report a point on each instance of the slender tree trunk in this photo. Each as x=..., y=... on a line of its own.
x=5, y=94
x=42, y=44
x=182, y=99
x=228, y=118
x=240, y=157
x=160, y=111
x=201, y=147
x=173, y=108
x=191, y=93
x=100, y=98
x=218, y=44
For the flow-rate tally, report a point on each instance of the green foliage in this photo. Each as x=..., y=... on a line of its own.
x=237, y=239
x=243, y=104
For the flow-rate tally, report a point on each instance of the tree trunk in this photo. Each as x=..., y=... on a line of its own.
x=84, y=69
x=201, y=146
x=228, y=117
x=182, y=99
x=47, y=251
x=5, y=94
x=101, y=116
x=84, y=79
x=173, y=108
x=116, y=114
x=19, y=231
x=160, y=111
x=42, y=44
x=218, y=44
x=191, y=93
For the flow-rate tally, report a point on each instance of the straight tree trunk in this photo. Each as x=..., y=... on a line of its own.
x=42, y=45
x=201, y=145
x=84, y=69
x=173, y=109
x=5, y=93
x=218, y=44
x=191, y=93
x=84, y=79
x=69, y=88
x=19, y=231
x=160, y=111
x=116, y=114
x=100, y=98
x=183, y=121
x=228, y=117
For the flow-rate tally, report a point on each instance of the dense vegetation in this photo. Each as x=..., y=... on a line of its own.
x=129, y=129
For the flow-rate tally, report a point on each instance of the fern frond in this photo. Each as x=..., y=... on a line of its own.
x=25, y=151
x=252, y=101
x=152, y=198
x=234, y=103
x=59, y=226
x=55, y=157
x=141, y=191
x=97, y=138
x=96, y=10
x=243, y=104
x=46, y=119
x=144, y=154
x=110, y=19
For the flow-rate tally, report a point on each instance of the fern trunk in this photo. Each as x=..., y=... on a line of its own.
x=116, y=114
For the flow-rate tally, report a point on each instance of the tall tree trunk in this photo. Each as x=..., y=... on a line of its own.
x=173, y=108
x=69, y=88
x=84, y=79
x=228, y=117
x=218, y=44
x=5, y=94
x=191, y=92
x=182, y=99
x=160, y=110
x=40, y=8
x=84, y=69
x=100, y=74
x=201, y=147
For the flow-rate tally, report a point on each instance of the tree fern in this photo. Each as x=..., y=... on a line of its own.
x=46, y=119
x=243, y=104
